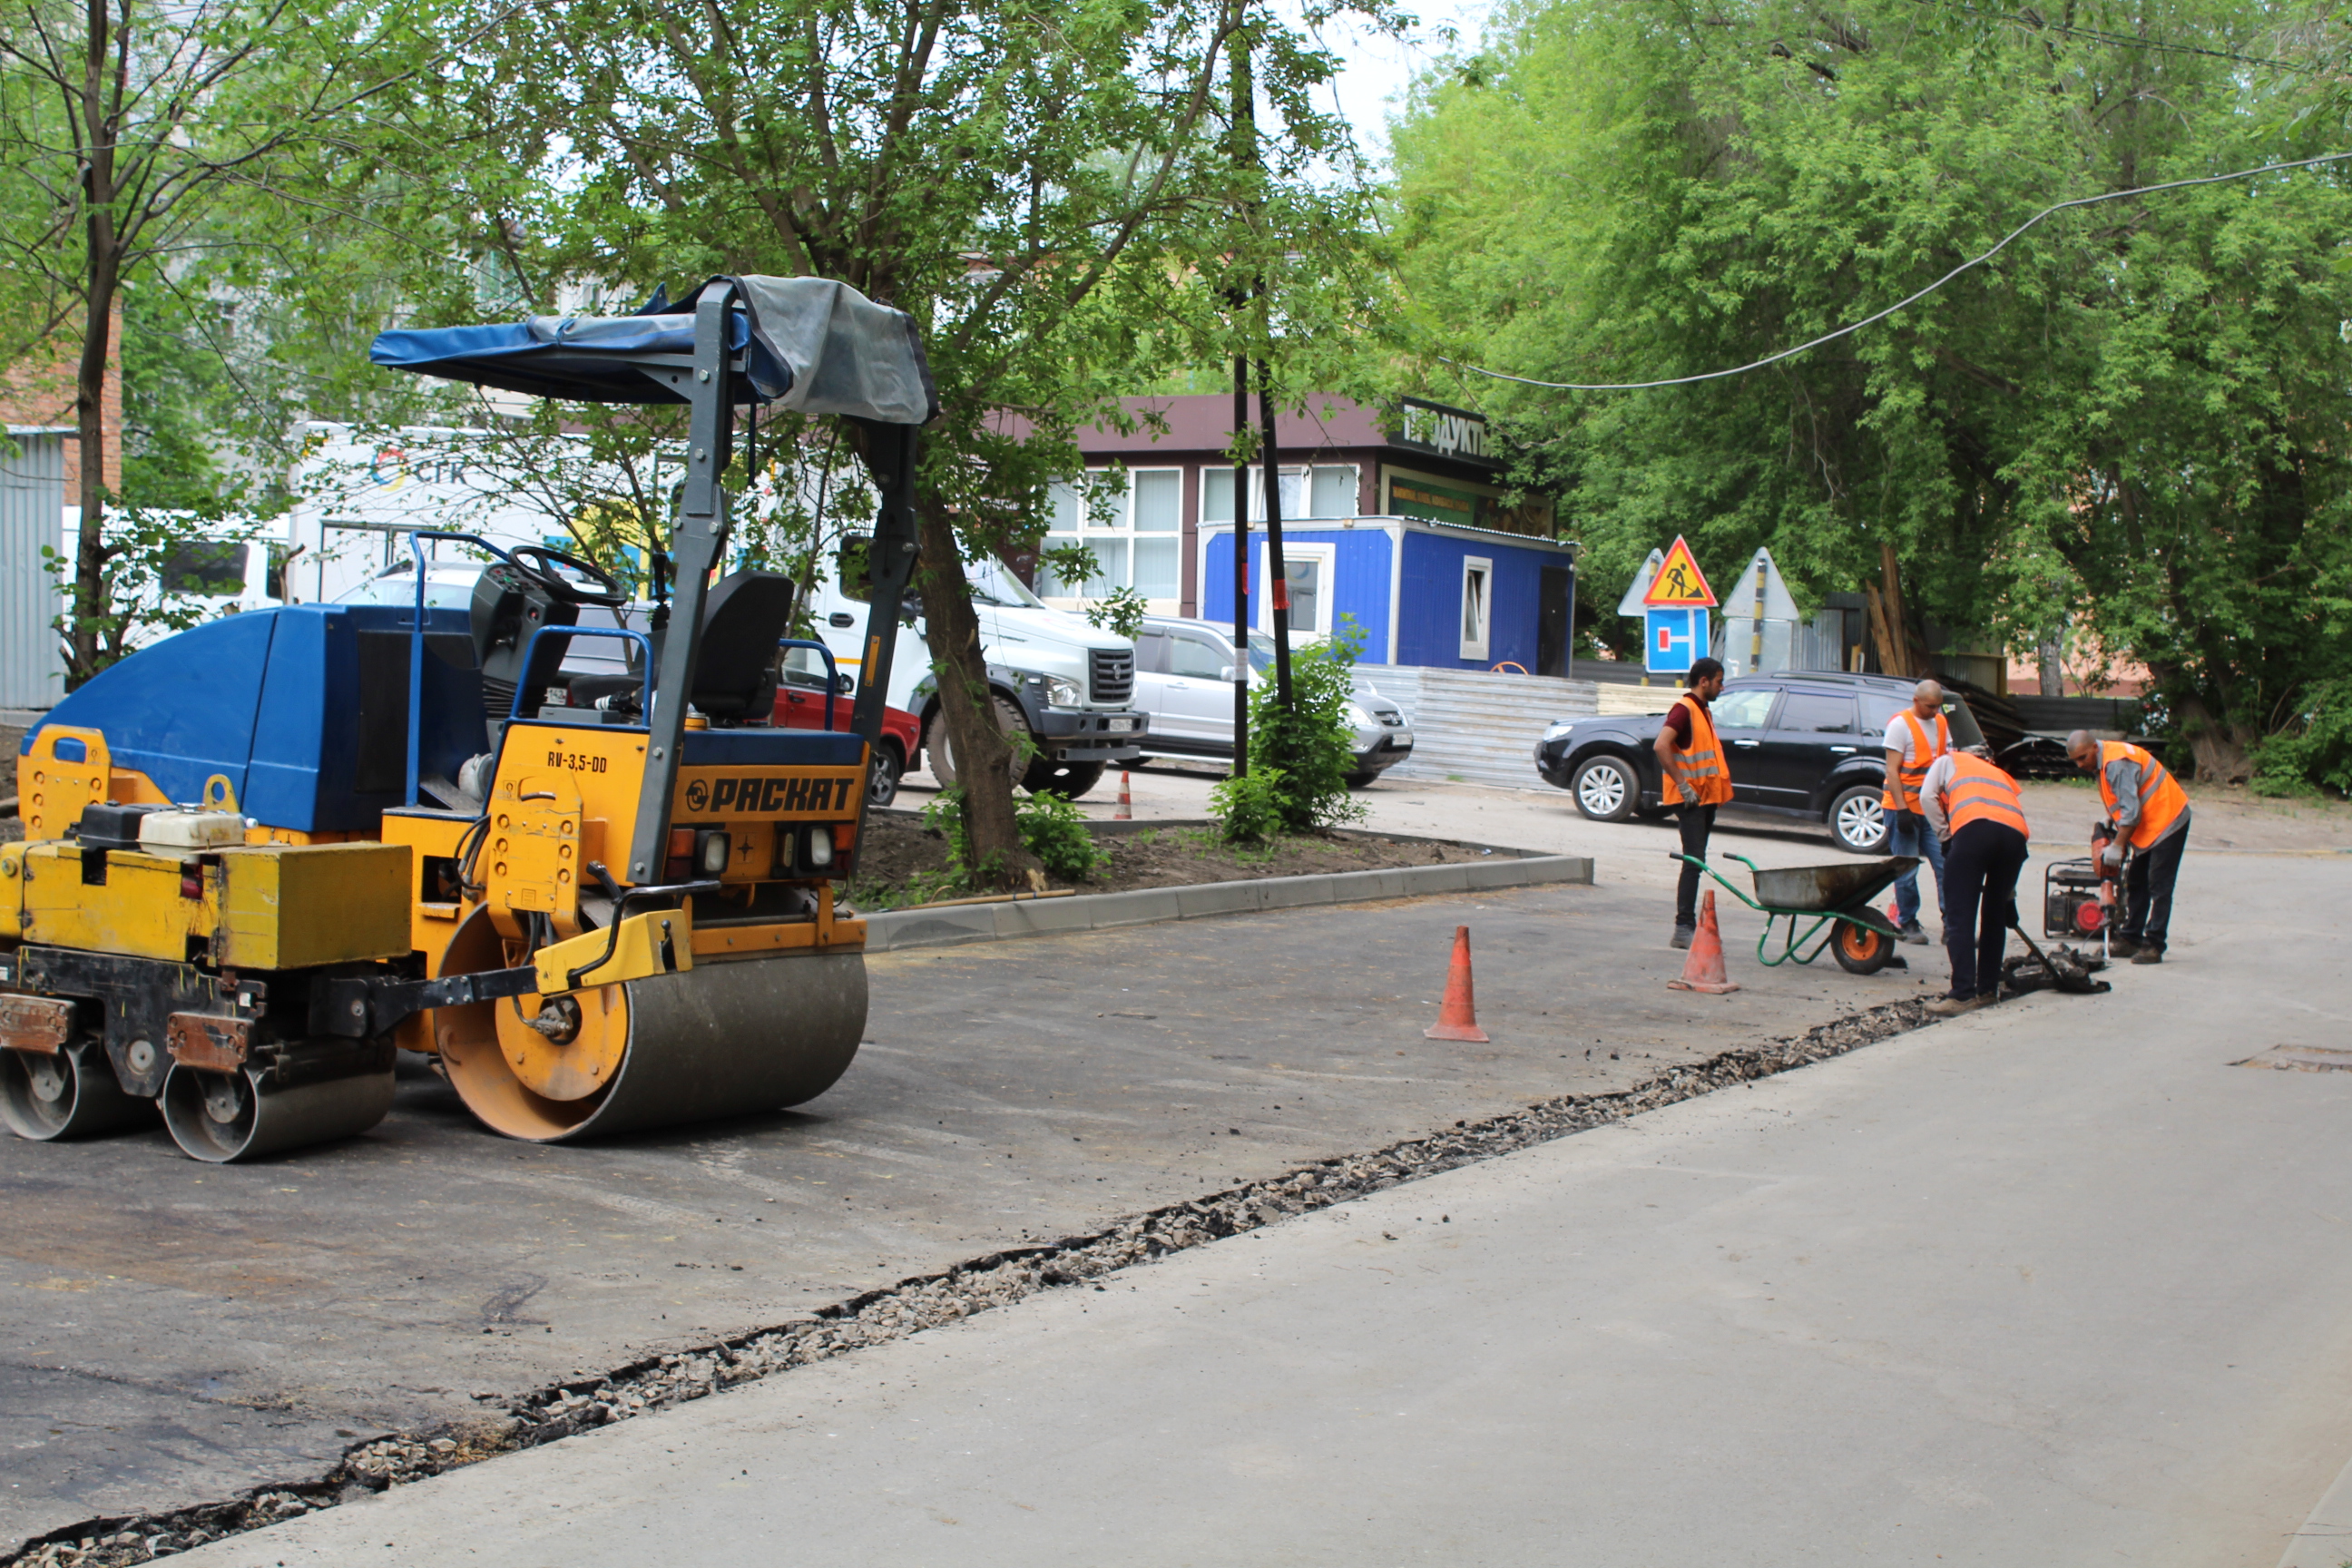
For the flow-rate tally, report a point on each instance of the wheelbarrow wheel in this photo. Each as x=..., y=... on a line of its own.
x=1860, y=950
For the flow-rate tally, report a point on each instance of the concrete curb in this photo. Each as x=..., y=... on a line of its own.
x=896, y=930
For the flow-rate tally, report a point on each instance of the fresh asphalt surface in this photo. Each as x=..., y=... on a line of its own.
x=2056, y=1283
x=177, y=1332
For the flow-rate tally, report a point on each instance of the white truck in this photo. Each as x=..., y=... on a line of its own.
x=1064, y=684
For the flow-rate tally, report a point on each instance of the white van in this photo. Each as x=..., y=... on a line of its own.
x=1064, y=683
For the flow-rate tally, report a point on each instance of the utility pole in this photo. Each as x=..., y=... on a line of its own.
x=1244, y=127
x=1277, y=573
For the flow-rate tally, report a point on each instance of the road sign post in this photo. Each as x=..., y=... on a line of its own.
x=1759, y=620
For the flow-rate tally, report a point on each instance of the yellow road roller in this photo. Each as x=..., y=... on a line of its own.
x=266, y=854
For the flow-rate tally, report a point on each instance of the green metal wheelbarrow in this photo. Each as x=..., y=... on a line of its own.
x=1833, y=896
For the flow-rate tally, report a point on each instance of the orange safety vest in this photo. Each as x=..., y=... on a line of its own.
x=1924, y=757
x=1981, y=792
x=2161, y=798
x=1697, y=774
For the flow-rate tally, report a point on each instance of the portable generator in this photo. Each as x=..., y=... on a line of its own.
x=2071, y=909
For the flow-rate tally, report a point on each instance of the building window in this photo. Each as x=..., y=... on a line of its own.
x=1315, y=490
x=1308, y=567
x=1477, y=604
x=1133, y=520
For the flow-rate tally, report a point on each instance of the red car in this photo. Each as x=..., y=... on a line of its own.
x=800, y=705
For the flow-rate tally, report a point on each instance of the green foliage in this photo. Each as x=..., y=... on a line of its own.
x=1310, y=748
x=1248, y=807
x=1051, y=827
x=2130, y=424
x=2315, y=752
x=1121, y=615
x=1054, y=829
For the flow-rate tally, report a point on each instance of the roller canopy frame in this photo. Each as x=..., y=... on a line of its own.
x=802, y=344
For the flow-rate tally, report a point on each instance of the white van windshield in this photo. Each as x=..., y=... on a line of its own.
x=994, y=583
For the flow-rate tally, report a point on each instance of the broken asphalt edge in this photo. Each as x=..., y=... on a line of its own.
x=993, y=1280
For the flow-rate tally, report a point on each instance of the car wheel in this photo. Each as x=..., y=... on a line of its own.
x=942, y=754
x=1068, y=780
x=882, y=780
x=1605, y=789
x=1857, y=820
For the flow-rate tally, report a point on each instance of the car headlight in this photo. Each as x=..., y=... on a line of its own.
x=1557, y=731
x=1360, y=717
x=1064, y=693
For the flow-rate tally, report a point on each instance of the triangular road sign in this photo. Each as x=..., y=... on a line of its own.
x=1631, y=604
x=1759, y=595
x=1679, y=581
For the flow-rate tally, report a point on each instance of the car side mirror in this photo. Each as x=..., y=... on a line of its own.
x=1225, y=672
x=845, y=684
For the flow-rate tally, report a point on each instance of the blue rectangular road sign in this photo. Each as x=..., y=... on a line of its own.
x=1675, y=640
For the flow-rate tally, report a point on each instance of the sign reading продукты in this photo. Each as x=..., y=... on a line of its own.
x=1444, y=432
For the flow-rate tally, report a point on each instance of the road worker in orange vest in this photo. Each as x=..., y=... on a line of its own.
x=2147, y=810
x=1915, y=738
x=1694, y=779
x=1975, y=810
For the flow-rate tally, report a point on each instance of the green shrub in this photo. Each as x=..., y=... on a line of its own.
x=1055, y=831
x=1311, y=749
x=1248, y=806
x=2315, y=752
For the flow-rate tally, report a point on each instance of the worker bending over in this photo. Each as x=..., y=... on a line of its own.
x=1690, y=761
x=1974, y=810
x=1915, y=738
x=2147, y=809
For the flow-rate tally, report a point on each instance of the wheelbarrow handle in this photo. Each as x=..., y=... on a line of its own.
x=1695, y=860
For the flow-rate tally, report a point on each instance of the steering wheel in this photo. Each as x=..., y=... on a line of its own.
x=540, y=566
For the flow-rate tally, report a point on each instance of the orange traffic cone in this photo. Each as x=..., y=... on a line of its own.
x=1458, y=1015
x=1704, y=970
x=1126, y=812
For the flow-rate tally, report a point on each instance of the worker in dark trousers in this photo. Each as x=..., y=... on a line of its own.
x=1976, y=810
x=1695, y=781
x=2147, y=809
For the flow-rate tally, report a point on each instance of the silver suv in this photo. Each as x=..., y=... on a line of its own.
x=1184, y=673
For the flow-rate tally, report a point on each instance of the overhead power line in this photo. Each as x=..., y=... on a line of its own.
x=1908, y=300
x=2100, y=35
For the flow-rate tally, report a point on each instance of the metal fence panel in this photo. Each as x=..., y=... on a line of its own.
x=32, y=514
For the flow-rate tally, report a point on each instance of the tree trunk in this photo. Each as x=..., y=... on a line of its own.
x=96, y=135
x=83, y=659
x=982, y=751
x=2217, y=747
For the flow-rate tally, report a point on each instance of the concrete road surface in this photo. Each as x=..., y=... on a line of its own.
x=2057, y=1283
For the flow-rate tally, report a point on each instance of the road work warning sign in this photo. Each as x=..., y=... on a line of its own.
x=1679, y=584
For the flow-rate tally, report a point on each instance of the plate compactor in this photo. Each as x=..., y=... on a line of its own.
x=268, y=852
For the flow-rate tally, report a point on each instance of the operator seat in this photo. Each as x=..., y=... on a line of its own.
x=735, y=678
x=747, y=614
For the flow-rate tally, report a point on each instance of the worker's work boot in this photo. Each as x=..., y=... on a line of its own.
x=1953, y=1006
x=2147, y=955
x=1683, y=935
x=2122, y=947
x=1912, y=934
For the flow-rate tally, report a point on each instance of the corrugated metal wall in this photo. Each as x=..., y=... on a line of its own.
x=1475, y=726
x=32, y=514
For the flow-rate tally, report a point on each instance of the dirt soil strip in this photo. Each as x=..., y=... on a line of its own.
x=994, y=1280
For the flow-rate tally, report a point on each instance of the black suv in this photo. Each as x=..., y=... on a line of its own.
x=1807, y=744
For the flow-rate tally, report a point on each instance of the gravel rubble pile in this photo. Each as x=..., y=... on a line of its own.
x=997, y=1279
